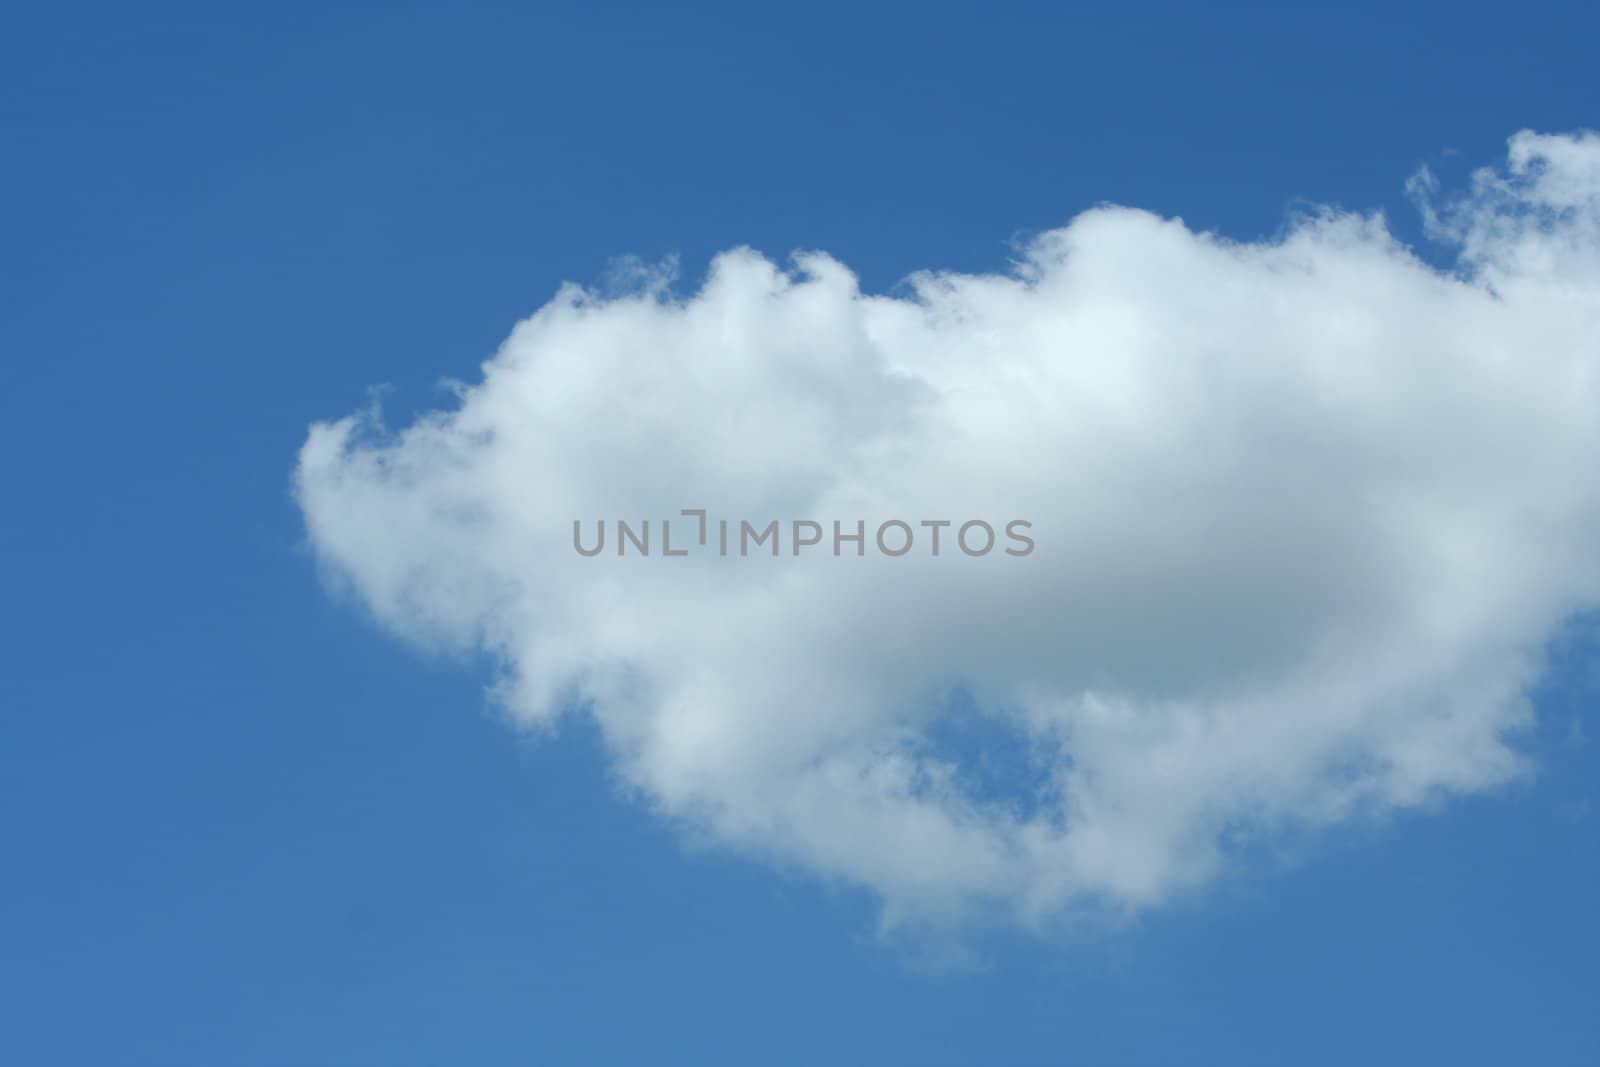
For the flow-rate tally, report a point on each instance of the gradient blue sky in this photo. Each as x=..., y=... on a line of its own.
x=239, y=825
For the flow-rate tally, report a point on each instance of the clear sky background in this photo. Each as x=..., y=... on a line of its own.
x=240, y=825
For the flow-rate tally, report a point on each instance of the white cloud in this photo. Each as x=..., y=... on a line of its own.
x=1306, y=512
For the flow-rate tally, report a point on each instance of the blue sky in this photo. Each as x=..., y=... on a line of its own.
x=241, y=824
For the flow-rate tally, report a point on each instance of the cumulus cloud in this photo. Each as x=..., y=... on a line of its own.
x=1305, y=513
